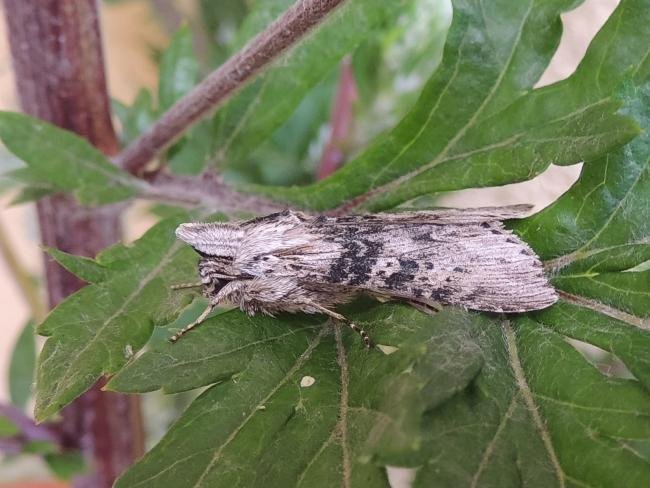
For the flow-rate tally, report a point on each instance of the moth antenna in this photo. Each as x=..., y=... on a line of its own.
x=189, y=327
x=368, y=342
x=364, y=335
x=182, y=286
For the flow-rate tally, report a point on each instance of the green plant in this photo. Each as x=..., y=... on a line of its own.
x=470, y=399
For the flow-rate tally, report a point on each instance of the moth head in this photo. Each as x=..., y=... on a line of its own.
x=212, y=239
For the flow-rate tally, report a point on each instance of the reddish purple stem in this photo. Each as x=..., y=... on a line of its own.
x=340, y=121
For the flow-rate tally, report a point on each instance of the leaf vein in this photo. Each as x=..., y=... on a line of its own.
x=489, y=450
x=577, y=406
x=600, y=307
x=302, y=359
x=342, y=425
x=527, y=396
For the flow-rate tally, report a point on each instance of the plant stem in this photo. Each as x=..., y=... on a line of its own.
x=208, y=192
x=58, y=65
x=340, y=121
x=299, y=19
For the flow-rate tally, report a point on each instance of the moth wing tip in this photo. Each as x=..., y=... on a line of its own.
x=184, y=232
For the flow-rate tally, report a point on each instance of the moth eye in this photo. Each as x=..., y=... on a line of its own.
x=219, y=284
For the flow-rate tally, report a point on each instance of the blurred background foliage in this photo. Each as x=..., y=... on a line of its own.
x=389, y=70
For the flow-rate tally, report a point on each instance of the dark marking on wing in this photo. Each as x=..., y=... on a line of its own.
x=399, y=280
x=443, y=295
x=358, y=259
x=423, y=237
x=408, y=265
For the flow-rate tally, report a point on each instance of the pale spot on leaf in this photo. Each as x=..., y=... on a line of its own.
x=307, y=381
x=387, y=350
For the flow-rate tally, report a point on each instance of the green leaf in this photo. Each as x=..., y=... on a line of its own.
x=189, y=156
x=391, y=70
x=65, y=160
x=30, y=185
x=136, y=118
x=602, y=226
x=252, y=116
x=478, y=121
x=539, y=412
x=85, y=268
x=40, y=446
x=219, y=19
x=288, y=156
x=96, y=330
x=21, y=367
x=469, y=399
x=7, y=427
x=629, y=343
x=331, y=405
x=178, y=69
x=66, y=465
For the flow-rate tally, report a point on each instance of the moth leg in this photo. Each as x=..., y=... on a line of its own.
x=198, y=321
x=364, y=335
x=182, y=286
x=224, y=294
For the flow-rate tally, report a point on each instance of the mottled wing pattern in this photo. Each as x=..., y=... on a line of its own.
x=460, y=257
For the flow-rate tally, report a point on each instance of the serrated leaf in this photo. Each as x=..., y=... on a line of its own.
x=331, y=404
x=65, y=160
x=629, y=344
x=178, y=69
x=537, y=415
x=505, y=402
x=21, y=367
x=252, y=116
x=602, y=225
x=96, y=330
x=478, y=121
x=85, y=268
x=545, y=415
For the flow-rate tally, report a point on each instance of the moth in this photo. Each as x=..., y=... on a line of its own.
x=294, y=262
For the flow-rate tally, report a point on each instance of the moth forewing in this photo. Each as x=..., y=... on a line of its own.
x=295, y=262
